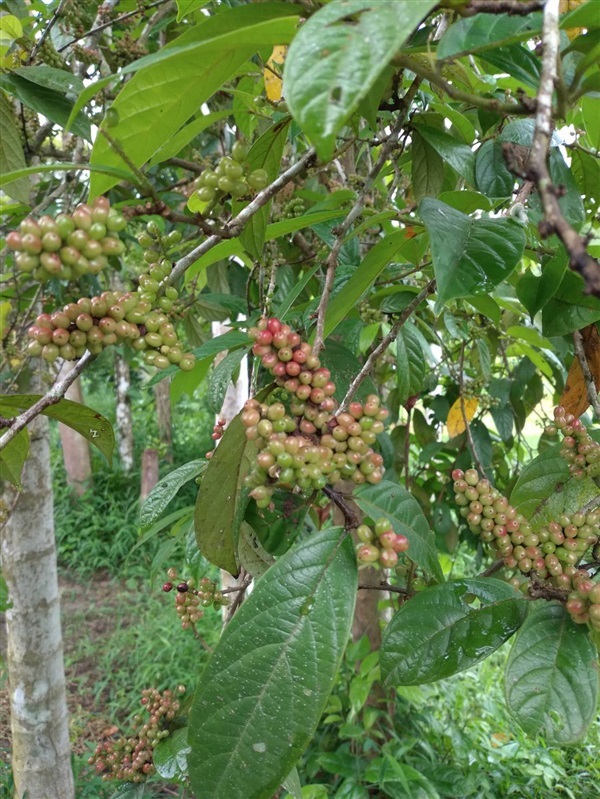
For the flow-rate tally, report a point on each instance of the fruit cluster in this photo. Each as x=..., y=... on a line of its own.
x=550, y=553
x=230, y=177
x=579, y=449
x=113, y=317
x=130, y=759
x=303, y=444
x=390, y=543
x=217, y=434
x=189, y=600
x=70, y=245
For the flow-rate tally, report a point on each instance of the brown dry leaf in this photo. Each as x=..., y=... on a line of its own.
x=456, y=419
x=568, y=5
x=271, y=73
x=575, y=398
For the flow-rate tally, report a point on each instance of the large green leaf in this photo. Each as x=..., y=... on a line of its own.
x=411, y=364
x=185, y=135
x=60, y=80
x=485, y=32
x=551, y=677
x=11, y=152
x=402, y=509
x=162, y=95
x=457, y=154
x=449, y=628
x=533, y=291
x=470, y=256
x=170, y=756
x=18, y=174
x=263, y=691
x=342, y=364
x=427, y=168
x=222, y=376
x=164, y=491
x=491, y=173
x=570, y=308
x=538, y=480
x=13, y=456
x=85, y=421
x=337, y=56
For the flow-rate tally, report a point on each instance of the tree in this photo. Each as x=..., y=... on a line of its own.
x=407, y=227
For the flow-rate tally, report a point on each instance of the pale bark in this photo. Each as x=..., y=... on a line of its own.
x=162, y=398
x=41, y=754
x=123, y=413
x=76, y=449
x=149, y=472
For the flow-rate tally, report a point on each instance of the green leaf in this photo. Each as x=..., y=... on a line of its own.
x=517, y=61
x=491, y=173
x=278, y=527
x=253, y=557
x=411, y=364
x=85, y=421
x=584, y=16
x=11, y=153
x=427, y=168
x=164, y=491
x=402, y=509
x=470, y=256
x=222, y=376
x=365, y=275
x=130, y=791
x=59, y=80
x=185, y=135
x=551, y=677
x=535, y=291
x=262, y=693
x=170, y=756
x=342, y=364
x=17, y=174
x=292, y=784
x=173, y=84
x=265, y=154
x=449, y=628
x=51, y=103
x=457, y=154
x=187, y=7
x=541, y=477
x=570, y=308
x=13, y=456
x=485, y=32
x=293, y=295
x=337, y=57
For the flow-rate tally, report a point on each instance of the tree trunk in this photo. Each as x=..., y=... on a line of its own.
x=162, y=398
x=123, y=413
x=76, y=449
x=149, y=472
x=40, y=729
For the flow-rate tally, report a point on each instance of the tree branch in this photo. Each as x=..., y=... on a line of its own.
x=354, y=213
x=350, y=518
x=590, y=382
x=516, y=7
x=385, y=342
x=554, y=221
x=54, y=395
x=45, y=33
x=383, y=586
x=122, y=18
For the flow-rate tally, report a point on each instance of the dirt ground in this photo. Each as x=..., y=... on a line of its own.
x=87, y=616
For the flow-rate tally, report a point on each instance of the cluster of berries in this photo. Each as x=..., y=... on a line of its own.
x=303, y=445
x=130, y=759
x=217, y=434
x=583, y=602
x=70, y=245
x=550, y=553
x=579, y=449
x=390, y=543
x=230, y=177
x=189, y=600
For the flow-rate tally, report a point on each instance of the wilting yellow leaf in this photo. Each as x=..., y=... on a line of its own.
x=564, y=7
x=272, y=72
x=5, y=308
x=456, y=416
x=575, y=397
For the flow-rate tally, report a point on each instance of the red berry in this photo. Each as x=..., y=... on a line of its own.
x=167, y=587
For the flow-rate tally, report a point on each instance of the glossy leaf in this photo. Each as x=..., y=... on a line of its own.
x=170, y=756
x=455, y=153
x=187, y=7
x=17, y=174
x=11, y=152
x=533, y=291
x=222, y=376
x=59, y=80
x=337, y=56
x=341, y=362
x=551, y=677
x=164, y=491
x=262, y=693
x=427, y=168
x=570, y=308
x=449, y=628
x=253, y=557
x=411, y=363
x=186, y=135
x=402, y=509
x=491, y=173
x=85, y=421
x=13, y=457
x=174, y=83
x=470, y=256
x=485, y=32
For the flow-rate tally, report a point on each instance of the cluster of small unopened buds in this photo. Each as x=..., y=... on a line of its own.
x=130, y=758
x=70, y=245
x=380, y=544
x=217, y=434
x=551, y=553
x=304, y=445
x=579, y=449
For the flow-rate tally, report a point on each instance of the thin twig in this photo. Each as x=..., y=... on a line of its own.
x=354, y=213
x=115, y=21
x=516, y=7
x=383, y=586
x=234, y=226
x=45, y=33
x=590, y=383
x=495, y=567
x=554, y=222
x=386, y=341
x=54, y=395
x=351, y=520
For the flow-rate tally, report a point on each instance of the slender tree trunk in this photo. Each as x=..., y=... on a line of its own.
x=76, y=449
x=162, y=398
x=123, y=413
x=40, y=730
x=149, y=472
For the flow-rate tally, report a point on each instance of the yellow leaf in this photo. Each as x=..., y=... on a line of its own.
x=462, y=408
x=564, y=7
x=5, y=309
x=272, y=73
